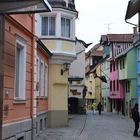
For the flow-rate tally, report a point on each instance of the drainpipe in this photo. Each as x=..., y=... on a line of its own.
x=2, y=34
x=135, y=24
x=32, y=92
x=131, y=23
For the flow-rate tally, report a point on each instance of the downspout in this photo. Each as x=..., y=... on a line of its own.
x=2, y=35
x=135, y=24
x=32, y=92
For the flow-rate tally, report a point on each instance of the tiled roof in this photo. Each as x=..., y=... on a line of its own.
x=94, y=51
x=127, y=38
x=120, y=37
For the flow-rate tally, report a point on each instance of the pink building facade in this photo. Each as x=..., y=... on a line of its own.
x=116, y=89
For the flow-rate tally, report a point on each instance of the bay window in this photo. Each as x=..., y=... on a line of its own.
x=65, y=27
x=48, y=26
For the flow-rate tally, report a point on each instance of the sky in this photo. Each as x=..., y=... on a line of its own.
x=98, y=17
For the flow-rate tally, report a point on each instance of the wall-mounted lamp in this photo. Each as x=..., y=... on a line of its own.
x=66, y=68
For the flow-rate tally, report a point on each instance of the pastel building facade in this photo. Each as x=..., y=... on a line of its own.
x=126, y=61
x=76, y=80
x=117, y=44
x=105, y=87
x=93, y=58
x=18, y=77
x=57, y=31
x=41, y=83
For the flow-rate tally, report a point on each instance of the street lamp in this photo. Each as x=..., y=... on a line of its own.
x=15, y=7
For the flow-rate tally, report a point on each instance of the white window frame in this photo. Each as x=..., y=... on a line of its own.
x=70, y=27
x=42, y=78
x=20, y=81
x=37, y=73
x=46, y=80
x=49, y=17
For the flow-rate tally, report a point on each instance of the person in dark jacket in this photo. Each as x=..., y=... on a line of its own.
x=136, y=119
x=99, y=107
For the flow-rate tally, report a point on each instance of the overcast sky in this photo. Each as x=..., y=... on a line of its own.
x=97, y=17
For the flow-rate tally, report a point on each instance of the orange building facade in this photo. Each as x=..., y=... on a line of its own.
x=18, y=77
x=41, y=81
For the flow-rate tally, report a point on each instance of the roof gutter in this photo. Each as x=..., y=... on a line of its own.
x=132, y=9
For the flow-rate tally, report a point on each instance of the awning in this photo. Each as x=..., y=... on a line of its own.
x=24, y=6
x=132, y=8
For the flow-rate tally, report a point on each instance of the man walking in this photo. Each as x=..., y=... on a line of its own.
x=136, y=119
x=99, y=107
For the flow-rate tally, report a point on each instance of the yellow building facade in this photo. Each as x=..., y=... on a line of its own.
x=58, y=35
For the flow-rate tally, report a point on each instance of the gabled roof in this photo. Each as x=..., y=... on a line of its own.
x=95, y=51
x=120, y=37
x=128, y=38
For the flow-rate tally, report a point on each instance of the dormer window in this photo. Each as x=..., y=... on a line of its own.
x=65, y=27
x=48, y=26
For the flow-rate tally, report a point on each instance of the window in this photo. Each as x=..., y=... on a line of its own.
x=110, y=85
x=117, y=84
x=45, y=122
x=65, y=27
x=120, y=64
x=20, y=68
x=114, y=66
x=138, y=78
x=123, y=63
x=117, y=65
x=138, y=54
x=37, y=74
x=41, y=124
x=127, y=86
x=42, y=78
x=46, y=80
x=110, y=67
x=114, y=85
x=48, y=26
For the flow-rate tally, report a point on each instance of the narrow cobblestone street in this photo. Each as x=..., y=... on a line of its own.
x=108, y=126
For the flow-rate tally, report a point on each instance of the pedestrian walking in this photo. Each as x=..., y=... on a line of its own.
x=99, y=107
x=136, y=119
x=94, y=107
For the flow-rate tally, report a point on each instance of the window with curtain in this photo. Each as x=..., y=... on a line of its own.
x=46, y=80
x=48, y=26
x=42, y=78
x=65, y=27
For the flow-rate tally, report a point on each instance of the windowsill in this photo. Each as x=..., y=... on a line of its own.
x=42, y=98
x=56, y=38
x=19, y=101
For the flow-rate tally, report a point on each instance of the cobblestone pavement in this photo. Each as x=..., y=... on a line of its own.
x=107, y=126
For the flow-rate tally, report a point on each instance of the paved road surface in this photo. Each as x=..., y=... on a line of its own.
x=108, y=126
